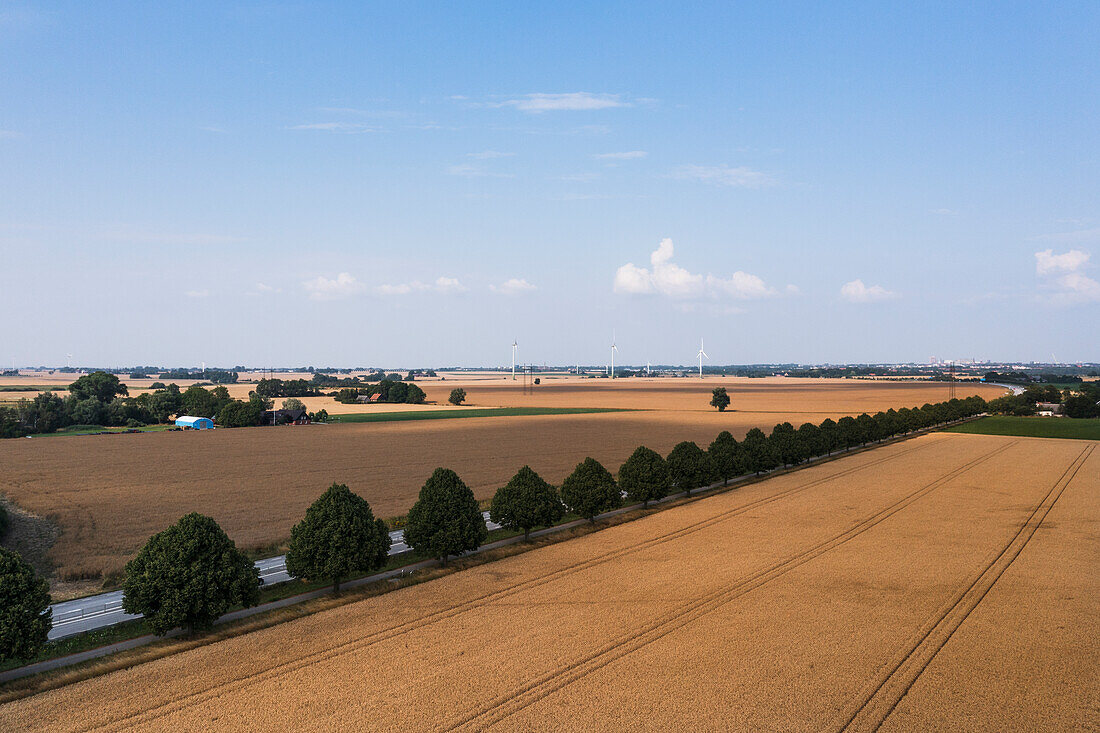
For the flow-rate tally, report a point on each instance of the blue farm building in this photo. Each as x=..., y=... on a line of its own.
x=195, y=423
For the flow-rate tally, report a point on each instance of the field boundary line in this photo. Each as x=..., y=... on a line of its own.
x=483, y=600
x=881, y=696
x=557, y=679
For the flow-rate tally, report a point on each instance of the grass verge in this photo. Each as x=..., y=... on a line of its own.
x=1032, y=427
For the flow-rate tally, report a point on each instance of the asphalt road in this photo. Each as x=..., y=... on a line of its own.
x=105, y=609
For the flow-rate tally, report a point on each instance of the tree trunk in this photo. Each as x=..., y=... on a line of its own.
x=526, y=534
x=443, y=560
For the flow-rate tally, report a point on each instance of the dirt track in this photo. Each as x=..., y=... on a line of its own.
x=949, y=567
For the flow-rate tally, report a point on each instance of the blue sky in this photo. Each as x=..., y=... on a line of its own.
x=420, y=183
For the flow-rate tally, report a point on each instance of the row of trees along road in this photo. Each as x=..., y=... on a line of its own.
x=192, y=573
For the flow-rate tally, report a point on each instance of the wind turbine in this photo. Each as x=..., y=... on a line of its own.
x=701, y=355
x=614, y=348
x=69, y=360
x=515, y=345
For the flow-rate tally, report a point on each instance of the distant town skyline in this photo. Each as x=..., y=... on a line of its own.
x=284, y=184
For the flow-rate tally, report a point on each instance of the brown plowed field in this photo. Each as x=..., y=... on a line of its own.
x=108, y=494
x=947, y=582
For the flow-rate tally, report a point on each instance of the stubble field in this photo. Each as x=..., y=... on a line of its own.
x=942, y=583
x=108, y=494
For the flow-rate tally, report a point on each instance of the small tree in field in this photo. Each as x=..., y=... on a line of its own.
x=526, y=501
x=445, y=520
x=689, y=466
x=293, y=403
x=720, y=399
x=458, y=396
x=25, y=620
x=338, y=536
x=644, y=476
x=189, y=575
x=590, y=490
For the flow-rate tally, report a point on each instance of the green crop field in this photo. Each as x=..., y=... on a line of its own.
x=471, y=412
x=1032, y=427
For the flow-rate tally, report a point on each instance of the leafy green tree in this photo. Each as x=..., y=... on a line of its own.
x=644, y=476
x=198, y=402
x=760, y=452
x=98, y=386
x=866, y=425
x=526, y=501
x=25, y=616
x=293, y=403
x=848, y=432
x=689, y=466
x=11, y=425
x=338, y=537
x=347, y=395
x=239, y=414
x=810, y=437
x=720, y=399
x=787, y=446
x=827, y=434
x=189, y=575
x=445, y=520
x=45, y=413
x=4, y=520
x=414, y=395
x=590, y=490
x=458, y=396
x=724, y=455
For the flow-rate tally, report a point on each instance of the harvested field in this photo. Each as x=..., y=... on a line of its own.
x=109, y=493
x=942, y=583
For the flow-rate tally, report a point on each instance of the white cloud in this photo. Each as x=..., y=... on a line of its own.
x=857, y=292
x=571, y=101
x=1060, y=276
x=1076, y=288
x=442, y=286
x=723, y=175
x=489, y=155
x=1046, y=262
x=513, y=286
x=467, y=170
x=628, y=155
x=348, y=127
x=664, y=277
x=261, y=289
x=197, y=293
x=323, y=288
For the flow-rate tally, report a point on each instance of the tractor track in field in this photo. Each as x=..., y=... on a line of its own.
x=506, y=705
x=881, y=696
x=484, y=600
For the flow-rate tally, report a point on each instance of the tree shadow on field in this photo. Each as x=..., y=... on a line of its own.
x=31, y=536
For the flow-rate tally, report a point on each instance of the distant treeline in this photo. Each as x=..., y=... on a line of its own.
x=388, y=391
x=100, y=399
x=214, y=376
x=1082, y=401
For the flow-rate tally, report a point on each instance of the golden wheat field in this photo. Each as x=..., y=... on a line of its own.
x=109, y=493
x=942, y=583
